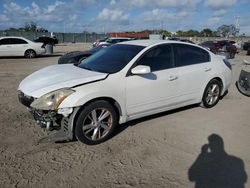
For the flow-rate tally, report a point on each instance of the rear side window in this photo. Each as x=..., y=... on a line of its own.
x=159, y=58
x=17, y=41
x=5, y=41
x=189, y=55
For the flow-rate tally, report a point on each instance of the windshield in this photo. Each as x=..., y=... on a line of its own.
x=111, y=59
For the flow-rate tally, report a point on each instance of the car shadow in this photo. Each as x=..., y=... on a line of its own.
x=38, y=56
x=124, y=126
x=215, y=168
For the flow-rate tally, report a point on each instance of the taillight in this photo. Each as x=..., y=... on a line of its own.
x=227, y=63
x=97, y=43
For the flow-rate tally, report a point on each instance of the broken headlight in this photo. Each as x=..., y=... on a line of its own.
x=52, y=100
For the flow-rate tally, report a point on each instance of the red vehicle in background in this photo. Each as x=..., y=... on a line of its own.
x=224, y=47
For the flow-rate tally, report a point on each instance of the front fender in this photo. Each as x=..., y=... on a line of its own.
x=86, y=93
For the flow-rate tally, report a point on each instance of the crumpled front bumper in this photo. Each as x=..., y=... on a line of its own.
x=46, y=119
x=50, y=120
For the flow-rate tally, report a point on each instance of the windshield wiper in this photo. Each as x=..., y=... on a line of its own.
x=88, y=68
x=91, y=69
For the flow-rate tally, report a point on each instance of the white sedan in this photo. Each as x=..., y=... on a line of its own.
x=123, y=82
x=19, y=46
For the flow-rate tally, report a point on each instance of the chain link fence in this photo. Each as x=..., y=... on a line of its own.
x=62, y=37
x=90, y=38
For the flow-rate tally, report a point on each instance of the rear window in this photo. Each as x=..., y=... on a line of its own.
x=189, y=55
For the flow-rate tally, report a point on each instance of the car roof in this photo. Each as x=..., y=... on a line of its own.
x=149, y=42
x=12, y=37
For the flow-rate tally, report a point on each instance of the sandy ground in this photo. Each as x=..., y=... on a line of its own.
x=156, y=151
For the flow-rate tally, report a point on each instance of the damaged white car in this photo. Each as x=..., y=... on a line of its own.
x=123, y=82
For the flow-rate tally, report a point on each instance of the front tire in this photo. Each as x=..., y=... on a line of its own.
x=81, y=59
x=30, y=54
x=211, y=94
x=96, y=122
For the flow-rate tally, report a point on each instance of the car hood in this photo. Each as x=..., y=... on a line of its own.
x=56, y=77
x=73, y=57
x=76, y=53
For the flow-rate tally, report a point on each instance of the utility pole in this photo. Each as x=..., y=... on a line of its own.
x=237, y=24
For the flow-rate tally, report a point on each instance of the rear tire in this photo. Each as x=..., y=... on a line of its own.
x=211, y=94
x=96, y=122
x=30, y=54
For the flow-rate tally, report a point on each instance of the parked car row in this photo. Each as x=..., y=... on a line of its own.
x=227, y=48
x=123, y=82
x=223, y=47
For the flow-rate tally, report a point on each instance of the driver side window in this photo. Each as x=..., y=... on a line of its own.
x=158, y=58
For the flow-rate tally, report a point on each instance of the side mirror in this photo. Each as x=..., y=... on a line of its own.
x=141, y=69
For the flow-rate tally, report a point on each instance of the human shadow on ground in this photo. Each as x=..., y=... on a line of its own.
x=214, y=168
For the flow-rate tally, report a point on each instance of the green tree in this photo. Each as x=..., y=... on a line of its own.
x=192, y=33
x=30, y=26
x=207, y=32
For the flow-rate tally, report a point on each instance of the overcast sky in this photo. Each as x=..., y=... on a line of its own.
x=124, y=15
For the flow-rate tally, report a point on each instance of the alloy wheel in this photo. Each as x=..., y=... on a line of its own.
x=213, y=94
x=30, y=54
x=97, y=124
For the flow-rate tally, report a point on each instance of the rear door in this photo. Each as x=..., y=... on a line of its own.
x=18, y=46
x=194, y=70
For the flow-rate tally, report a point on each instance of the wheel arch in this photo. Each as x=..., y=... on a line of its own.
x=220, y=80
x=112, y=101
x=205, y=85
x=30, y=49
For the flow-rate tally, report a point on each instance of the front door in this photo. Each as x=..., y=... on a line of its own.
x=157, y=89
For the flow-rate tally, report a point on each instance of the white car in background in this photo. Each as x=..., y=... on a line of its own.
x=112, y=40
x=19, y=46
x=123, y=82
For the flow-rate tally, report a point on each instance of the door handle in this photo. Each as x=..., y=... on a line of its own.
x=172, y=78
x=208, y=69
